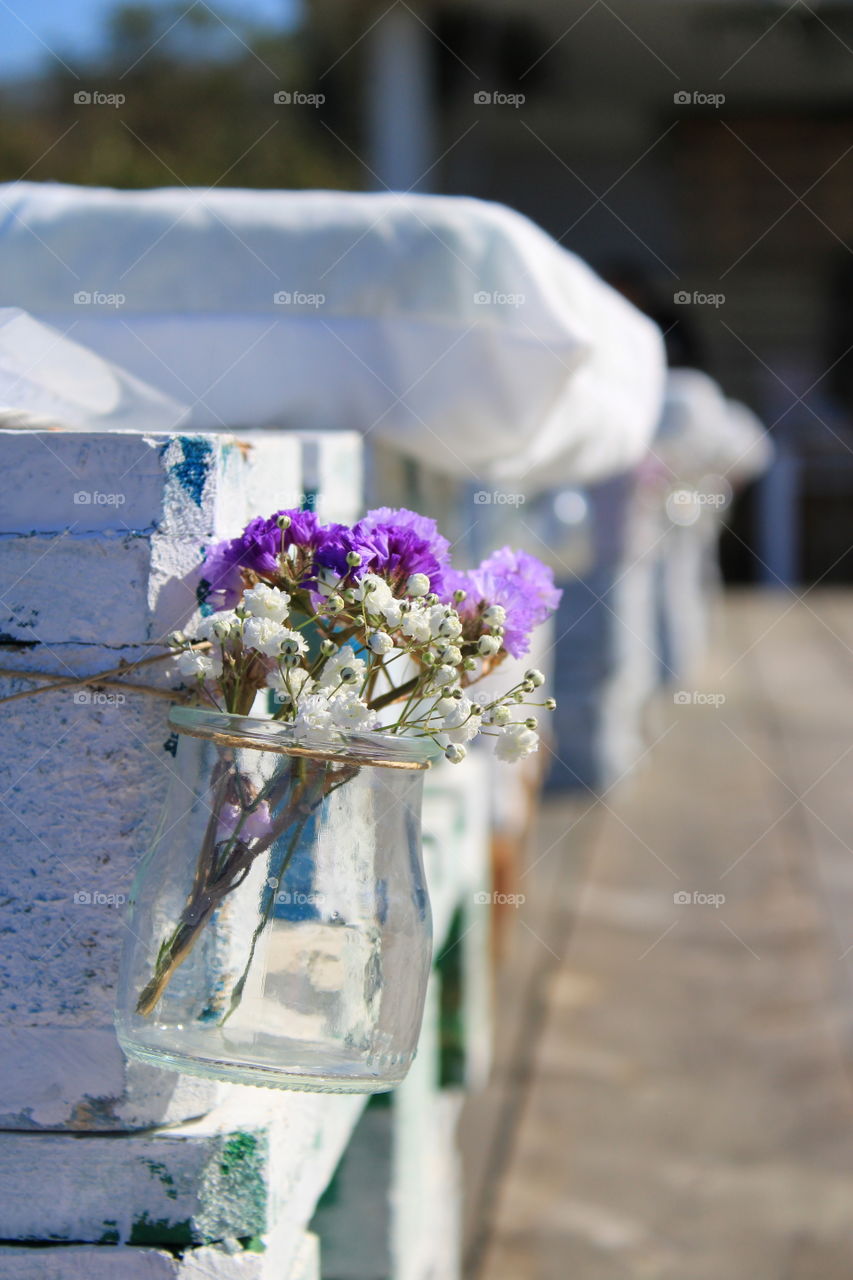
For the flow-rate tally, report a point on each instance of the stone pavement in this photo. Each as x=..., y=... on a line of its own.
x=674, y=1079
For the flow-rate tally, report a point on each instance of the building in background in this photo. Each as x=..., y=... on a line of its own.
x=706, y=144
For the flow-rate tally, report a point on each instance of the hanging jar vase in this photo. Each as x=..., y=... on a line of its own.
x=279, y=929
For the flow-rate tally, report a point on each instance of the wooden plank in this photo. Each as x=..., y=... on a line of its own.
x=688, y=1109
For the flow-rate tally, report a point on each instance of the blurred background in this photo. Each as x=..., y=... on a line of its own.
x=689, y=149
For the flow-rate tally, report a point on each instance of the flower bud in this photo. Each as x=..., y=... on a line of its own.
x=284, y=522
x=495, y=615
x=469, y=664
x=353, y=559
x=335, y=603
x=527, y=686
x=535, y=677
x=459, y=595
x=327, y=648
x=380, y=642
x=531, y=722
x=290, y=660
x=348, y=675
x=488, y=645
x=444, y=675
x=432, y=598
x=551, y=704
x=500, y=715
x=418, y=585
x=454, y=753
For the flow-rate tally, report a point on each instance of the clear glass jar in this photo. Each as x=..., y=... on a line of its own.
x=279, y=929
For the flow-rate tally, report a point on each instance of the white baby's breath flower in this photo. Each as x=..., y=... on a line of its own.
x=342, y=661
x=499, y=715
x=443, y=675
x=450, y=654
x=350, y=714
x=265, y=635
x=535, y=677
x=454, y=753
x=218, y=626
x=393, y=614
x=488, y=645
x=344, y=711
x=291, y=684
x=262, y=601
x=314, y=715
x=450, y=626
x=417, y=624
x=495, y=615
x=380, y=642
x=461, y=724
x=437, y=614
x=373, y=592
x=418, y=585
x=516, y=742
x=199, y=666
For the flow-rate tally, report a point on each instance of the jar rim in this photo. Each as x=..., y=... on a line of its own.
x=385, y=750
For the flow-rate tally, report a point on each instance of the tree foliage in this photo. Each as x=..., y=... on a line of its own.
x=198, y=109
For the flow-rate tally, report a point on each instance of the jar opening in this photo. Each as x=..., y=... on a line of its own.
x=385, y=750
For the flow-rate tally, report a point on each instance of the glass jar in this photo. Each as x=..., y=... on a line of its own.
x=279, y=930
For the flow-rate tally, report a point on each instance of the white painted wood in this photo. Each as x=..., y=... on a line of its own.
x=83, y=773
x=255, y=1162
x=279, y=1260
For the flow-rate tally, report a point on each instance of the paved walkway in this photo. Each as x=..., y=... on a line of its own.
x=678, y=1085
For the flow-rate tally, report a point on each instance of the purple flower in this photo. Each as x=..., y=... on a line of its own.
x=258, y=549
x=395, y=543
x=254, y=824
x=516, y=580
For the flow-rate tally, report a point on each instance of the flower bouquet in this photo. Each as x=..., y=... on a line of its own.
x=334, y=648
